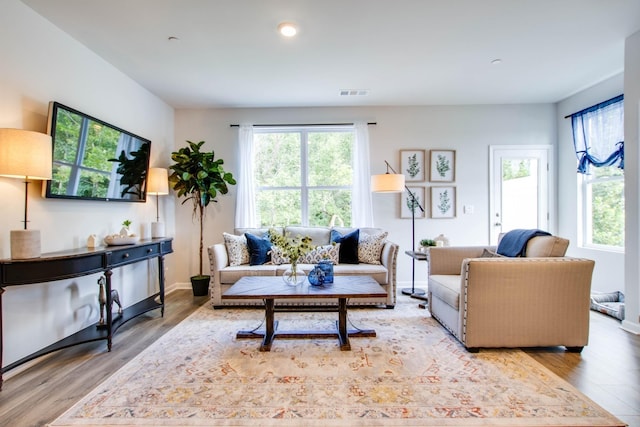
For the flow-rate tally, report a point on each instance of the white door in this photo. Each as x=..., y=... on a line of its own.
x=519, y=190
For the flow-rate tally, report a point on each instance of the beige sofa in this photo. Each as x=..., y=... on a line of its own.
x=538, y=300
x=223, y=275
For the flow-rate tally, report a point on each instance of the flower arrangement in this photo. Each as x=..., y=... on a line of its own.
x=293, y=248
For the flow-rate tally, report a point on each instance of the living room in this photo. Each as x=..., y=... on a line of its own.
x=47, y=64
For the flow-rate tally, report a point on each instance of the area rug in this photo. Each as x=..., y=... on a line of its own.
x=413, y=373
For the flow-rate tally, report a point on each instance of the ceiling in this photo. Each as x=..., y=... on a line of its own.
x=227, y=53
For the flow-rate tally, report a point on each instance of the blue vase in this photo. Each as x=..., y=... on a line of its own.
x=316, y=276
x=327, y=268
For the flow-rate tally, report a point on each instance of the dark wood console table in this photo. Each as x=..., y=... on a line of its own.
x=81, y=262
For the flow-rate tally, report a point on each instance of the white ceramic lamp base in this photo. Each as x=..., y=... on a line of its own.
x=25, y=244
x=157, y=229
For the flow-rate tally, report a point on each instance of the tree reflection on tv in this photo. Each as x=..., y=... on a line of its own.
x=94, y=160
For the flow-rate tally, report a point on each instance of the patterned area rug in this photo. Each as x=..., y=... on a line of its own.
x=412, y=374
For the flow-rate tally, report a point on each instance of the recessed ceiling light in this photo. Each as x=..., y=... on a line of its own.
x=173, y=38
x=287, y=29
x=496, y=61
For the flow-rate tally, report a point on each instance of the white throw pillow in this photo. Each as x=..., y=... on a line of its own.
x=370, y=246
x=237, y=249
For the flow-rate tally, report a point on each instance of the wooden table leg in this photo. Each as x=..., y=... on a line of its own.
x=269, y=308
x=343, y=334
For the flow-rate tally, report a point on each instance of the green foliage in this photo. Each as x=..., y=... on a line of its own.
x=199, y=178
x=293, y=248
x=133, y=170
x=442, y=165
x=607, y=207
x=414, y=167
x=512, y=169
x=281, y=181
x=427, y=242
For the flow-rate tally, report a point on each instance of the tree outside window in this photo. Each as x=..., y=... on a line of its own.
x=304, y=176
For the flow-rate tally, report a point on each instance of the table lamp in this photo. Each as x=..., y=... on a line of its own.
x=158, y=185
x=26, y=155
x=394, y=183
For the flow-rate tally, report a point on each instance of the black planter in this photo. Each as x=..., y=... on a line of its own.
x=200, y=285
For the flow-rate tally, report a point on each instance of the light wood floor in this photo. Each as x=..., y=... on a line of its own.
x=608, y=370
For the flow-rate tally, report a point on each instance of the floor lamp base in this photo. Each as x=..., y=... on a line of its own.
x=413, y=291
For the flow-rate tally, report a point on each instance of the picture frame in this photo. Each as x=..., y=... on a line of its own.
x=443, y=202
x=412, y=165
x=442, y=165
x=405, y=199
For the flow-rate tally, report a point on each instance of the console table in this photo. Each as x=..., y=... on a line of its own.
x=81, y=262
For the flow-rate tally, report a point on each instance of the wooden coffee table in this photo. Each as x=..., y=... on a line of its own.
x=272, y=287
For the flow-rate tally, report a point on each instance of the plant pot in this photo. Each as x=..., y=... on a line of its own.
x=200, y=285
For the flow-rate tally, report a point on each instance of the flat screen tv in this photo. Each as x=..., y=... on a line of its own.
x=93, y=160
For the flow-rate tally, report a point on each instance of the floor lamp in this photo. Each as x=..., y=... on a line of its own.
x=394, y=183
x=26, y=155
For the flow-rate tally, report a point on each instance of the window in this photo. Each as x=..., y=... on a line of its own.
x=303, y=176
x=598, y=138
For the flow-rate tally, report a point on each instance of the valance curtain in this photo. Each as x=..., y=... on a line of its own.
x=598, y=135
x=246, y=212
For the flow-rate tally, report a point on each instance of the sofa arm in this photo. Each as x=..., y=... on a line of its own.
x=218, y=259
x=448, y=260
x=388, y=258
x=525, y=302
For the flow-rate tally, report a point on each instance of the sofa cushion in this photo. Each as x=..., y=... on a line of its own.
x=326, y=252
x=259, y=249
x=348, y=246
x=546, y=246
x=370, y=247
x=237, y=250
x=446, y=288
x=230, y=275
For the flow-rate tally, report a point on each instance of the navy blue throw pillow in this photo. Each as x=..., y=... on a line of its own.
x=348, y=246
x=259, y=248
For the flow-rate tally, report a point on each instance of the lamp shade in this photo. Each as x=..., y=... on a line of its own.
x=387, y=183
x=158, y=182
x=25, y=154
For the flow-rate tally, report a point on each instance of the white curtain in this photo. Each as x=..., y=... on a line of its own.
x=361, y=200
x=246, y=212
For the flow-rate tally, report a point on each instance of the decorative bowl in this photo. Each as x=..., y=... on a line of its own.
x=115, y=240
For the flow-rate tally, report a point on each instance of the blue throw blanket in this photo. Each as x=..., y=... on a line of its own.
x=514, y=242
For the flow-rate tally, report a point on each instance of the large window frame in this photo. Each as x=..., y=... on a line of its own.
x=305, y=187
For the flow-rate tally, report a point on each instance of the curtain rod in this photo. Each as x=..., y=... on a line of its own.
x=304, y=124
x=595, y=106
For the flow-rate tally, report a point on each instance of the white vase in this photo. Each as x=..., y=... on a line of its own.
x=293, y=277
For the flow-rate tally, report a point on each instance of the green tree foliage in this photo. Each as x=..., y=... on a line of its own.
x=512, y=169
x=607, y=207
x=283, y=181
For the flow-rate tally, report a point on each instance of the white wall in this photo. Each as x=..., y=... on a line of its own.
x=632, y=182
x=469, y=130
x=609, y=272
x=40, y=64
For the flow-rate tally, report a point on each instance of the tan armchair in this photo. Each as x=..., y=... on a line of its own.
x=539, y=300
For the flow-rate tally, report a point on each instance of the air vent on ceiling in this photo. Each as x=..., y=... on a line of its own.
x=353, y=92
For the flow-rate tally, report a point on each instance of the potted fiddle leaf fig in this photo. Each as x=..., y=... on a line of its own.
x=198, y=177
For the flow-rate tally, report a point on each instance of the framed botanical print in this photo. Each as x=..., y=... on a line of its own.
x=443, y=165
x=443, y=202
x=407, y=203
x=412, y=165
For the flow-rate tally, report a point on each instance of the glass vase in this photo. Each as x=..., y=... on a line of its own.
x=293, y=276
